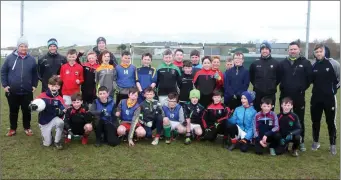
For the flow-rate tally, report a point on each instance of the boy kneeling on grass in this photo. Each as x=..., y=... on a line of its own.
x=214, y=118
x=240, y=125
x=290, y=128
x=151, y=116
x=51, y=117
x=106, y=123
x=77, y=120
x=174, y=120
x=128, y=110
x=193, y=113
x=266, y=128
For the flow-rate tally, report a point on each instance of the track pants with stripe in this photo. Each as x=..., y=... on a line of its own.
x=328, y=104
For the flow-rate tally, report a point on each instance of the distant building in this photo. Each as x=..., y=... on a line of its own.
x=278, y=48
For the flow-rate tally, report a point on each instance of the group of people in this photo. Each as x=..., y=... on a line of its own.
x=121, y=102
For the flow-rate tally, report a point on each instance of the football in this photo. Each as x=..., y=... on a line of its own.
x=40, y=103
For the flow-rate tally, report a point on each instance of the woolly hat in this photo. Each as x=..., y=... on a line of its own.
x=22, y=40
x=52, y=41
x=265, y=44
x=250, y=96
x=101, y=39
x=194, y=93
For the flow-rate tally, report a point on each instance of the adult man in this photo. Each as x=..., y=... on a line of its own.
x=101, y=45
x=50, y=63
x=19, y=79
x=326, y=82
x=295, y=78
x=264, y=76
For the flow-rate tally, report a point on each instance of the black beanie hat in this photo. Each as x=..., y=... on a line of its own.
x=101, y=39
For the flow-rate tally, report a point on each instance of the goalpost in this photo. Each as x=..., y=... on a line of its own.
x=132, y=49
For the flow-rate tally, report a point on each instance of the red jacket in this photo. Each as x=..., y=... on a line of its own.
x=204, y=81
x=220, y=82
x=69, y=74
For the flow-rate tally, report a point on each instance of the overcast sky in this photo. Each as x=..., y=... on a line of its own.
x=82, y=22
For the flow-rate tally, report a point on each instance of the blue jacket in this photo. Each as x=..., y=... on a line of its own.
x=52, y=103
x=243, y=117
x=146, y=76
x=20, y=74
x=126, y=76
x=236, y=81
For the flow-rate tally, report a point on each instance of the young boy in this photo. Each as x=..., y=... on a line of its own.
x=214, y=117
x=71, y=74
x=89, y=84
x=290, y=127
x=195, y=58
x=77, y=121
x=266, y=128
x=128, y=111
x=240, y=125
x=178, y=57
x=236, y=81
x=229, y=64
x=51, y=117
x=125, y=77
x=106, y=123
x=174, y=118
x=168, y=77
x=193, y=113
x=151, y=116
x=145, y=75
x=186, y=84
x=105, y=73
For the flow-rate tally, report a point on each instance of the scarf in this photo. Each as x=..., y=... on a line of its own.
x=124, y=65
x=179, y=64
x=131, y=103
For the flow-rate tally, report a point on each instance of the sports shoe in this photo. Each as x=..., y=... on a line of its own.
x=155, y=141
x=67, y=140
x=302, y=147
x=98, y=143
x=294, y=153
x=11, y=132
x=85, y=140
x=232, y=147
x=333, y=149
x=58, y=145
x=272, y=152
x=188, y=141
x=28, y=132
x=315, y=146
x=168, y=140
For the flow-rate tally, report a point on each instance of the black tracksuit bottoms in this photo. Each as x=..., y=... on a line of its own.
x=232, y=131
x=282, y=148
x=299, y=107
x=110, y=133
x=16, y=101
x=328, y=105
x=258, y=100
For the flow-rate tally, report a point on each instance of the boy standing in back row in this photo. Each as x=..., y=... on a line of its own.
x=71, y=74
x=186, y=84
x=145, y=76
x=168, y=77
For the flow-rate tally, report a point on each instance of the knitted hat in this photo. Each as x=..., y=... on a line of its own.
x=22, y=40
x=101, y=39
x=250, y=96
x=265, y=44
x=52, y=41
x=194, y=93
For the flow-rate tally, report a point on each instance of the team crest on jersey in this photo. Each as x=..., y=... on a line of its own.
x=271, y=66
x=327, y=69
x=270, y=122
x=171, y=115
x=150, y=72
x=198, y=110
x=259, y=66
x=55, y=103
x=219, y=111
x=333, y=108
x=291, y=123
x=76, y=73
x=87, y=68
x=127, y=112
x=173, y=71
x=154, y=106
x=300, y=65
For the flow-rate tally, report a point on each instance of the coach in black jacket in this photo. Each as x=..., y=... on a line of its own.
x=264, y=76
x=295, y=78
x=50, y=63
